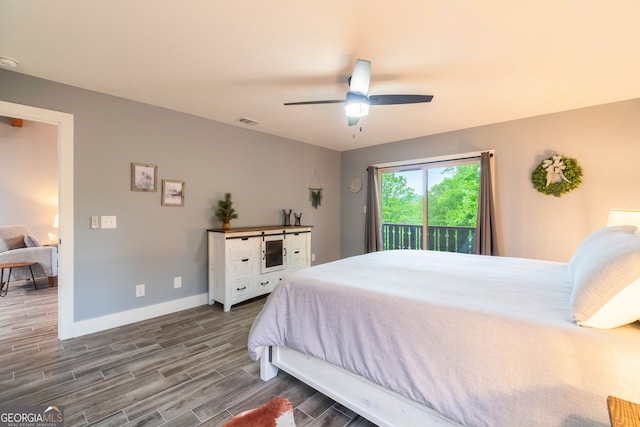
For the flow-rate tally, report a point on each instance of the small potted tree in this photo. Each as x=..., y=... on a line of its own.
x=226, y=211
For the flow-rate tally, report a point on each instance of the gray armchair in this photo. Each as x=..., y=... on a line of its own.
x=18, y=245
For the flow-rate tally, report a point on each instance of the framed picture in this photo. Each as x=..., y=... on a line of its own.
x=143, y=177
x=172, y=192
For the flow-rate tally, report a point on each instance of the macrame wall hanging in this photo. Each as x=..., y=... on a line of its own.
x=315, y=190
x=556, y=175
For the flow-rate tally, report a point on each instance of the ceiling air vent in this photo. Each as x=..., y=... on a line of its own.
x=247, y=121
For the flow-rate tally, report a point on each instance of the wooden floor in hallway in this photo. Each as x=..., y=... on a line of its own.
x=189, y=368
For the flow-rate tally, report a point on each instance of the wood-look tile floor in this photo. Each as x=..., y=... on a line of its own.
x=189, y=368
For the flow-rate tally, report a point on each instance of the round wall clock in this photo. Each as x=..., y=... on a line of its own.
x=355, y=184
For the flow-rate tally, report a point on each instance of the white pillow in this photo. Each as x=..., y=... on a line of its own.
x=605, y=271
x=592, y=243
x=621, y=309
x=31, y=242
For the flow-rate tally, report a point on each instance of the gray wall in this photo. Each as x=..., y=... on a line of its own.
x=155, y=243
x=603, y=139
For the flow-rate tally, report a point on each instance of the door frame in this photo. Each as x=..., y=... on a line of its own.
x=64, y=122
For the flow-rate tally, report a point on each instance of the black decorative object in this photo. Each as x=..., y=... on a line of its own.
x=287, y=216
x=298, y=218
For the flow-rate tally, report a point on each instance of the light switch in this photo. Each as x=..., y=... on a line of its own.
x=108, y=221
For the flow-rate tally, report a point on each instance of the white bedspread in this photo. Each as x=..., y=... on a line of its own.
x=486, y=341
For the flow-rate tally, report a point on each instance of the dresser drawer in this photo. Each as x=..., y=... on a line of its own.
x=241, y=289
x=241, y=267
x=297, y=258
x=267, y=282
x=249, y=287
x=296, y=240
x=243, y=247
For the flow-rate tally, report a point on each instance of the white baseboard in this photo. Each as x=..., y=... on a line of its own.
x=114, y=320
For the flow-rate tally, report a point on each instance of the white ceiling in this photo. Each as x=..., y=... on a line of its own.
x=484, y=61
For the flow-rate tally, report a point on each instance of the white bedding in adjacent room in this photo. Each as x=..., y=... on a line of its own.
x=486, y=341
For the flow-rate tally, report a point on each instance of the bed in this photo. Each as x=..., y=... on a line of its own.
x=430, y=338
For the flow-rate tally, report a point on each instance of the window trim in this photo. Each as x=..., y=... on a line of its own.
x=422, y=164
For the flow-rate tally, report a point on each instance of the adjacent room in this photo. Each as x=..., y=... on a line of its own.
x=443, y=195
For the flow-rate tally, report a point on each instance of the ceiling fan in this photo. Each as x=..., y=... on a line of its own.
x=357, y=101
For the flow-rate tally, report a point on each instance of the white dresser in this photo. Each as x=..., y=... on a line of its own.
x=248, y=262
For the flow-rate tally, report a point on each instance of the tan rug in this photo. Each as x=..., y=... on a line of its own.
x=277, y=412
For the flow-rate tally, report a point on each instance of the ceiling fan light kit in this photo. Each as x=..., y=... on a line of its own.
x=357, y=101
x=356, y=105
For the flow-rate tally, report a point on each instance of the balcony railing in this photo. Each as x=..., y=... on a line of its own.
x=439, y=238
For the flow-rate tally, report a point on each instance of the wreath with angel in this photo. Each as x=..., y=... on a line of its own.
x=556, y=175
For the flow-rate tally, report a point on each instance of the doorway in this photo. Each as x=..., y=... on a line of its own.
x=64, y=122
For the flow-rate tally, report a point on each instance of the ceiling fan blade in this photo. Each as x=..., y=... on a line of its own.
x=398, y=99
x=352, y=120
x=359, y=81
x=329, y=101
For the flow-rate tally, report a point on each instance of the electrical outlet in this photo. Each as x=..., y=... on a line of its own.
x=140, y=290
x=313, y=257
x=108, y=221
x=94, y=222
x=177, y=282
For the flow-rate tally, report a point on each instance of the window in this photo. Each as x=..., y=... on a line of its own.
x=444, y=220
